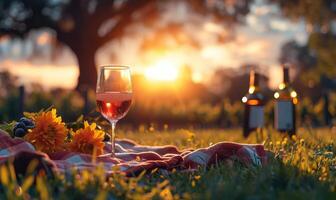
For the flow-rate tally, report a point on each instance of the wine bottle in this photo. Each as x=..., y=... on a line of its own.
x=254, y=106
x=285, y=101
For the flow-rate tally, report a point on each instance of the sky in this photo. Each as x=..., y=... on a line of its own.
x=258, y=40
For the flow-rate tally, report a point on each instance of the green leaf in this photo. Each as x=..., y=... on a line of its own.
x=8, y=128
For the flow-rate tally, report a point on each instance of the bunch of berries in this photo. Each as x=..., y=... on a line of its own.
x=21, y=127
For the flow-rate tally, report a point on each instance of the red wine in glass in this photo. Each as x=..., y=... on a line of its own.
x=114, y=105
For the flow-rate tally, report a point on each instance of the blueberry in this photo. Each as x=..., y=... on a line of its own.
x=20, y=125
x=27, y=121
x=19, y=132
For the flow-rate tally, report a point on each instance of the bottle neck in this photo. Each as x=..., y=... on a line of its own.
x=285, y=90
x=286, y=75
x=254, y=79
x=254, y=82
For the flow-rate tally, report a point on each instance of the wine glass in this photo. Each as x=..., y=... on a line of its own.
x=114, y=95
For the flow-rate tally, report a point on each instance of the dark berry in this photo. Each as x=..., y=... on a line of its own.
x=27, y=121
x=19, y=132
x=20, y=125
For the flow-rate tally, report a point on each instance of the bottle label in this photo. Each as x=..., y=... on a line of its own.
x=284, y=115
x=256, y=117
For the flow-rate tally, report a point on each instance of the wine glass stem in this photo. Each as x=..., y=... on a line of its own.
x=113, y=124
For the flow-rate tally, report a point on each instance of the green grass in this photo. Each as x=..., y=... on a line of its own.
x=304, y=168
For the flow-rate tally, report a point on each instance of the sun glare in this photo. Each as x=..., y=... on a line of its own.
x=163, y=70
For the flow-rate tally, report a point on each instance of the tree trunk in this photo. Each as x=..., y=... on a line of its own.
x=87, y=69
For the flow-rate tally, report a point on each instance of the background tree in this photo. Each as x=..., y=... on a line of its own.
x=76, y=24
x=86, y=25
x=319, y=16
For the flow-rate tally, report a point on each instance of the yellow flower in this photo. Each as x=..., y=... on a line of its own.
x=88, y=139
x=49, y=132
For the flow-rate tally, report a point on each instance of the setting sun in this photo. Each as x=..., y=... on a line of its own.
x=163, y=70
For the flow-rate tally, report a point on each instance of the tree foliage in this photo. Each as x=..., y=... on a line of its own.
x=86, y=25
x=316, y=60
x=318, y=14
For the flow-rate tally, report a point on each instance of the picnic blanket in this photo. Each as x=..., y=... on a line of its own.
x=131, y=158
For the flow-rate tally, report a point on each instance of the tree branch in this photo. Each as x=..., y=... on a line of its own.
x=126, y=14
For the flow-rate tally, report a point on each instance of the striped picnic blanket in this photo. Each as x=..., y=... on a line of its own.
x=131, y=158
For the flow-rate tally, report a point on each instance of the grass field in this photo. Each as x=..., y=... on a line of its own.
x=304, y=167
